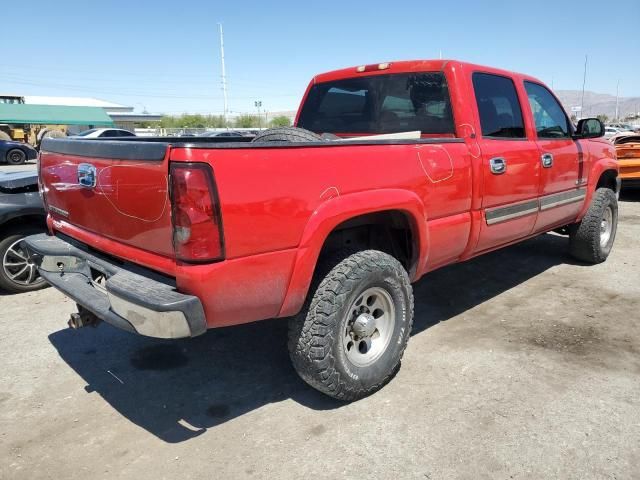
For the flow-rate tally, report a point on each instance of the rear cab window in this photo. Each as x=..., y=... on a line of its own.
x=379, y=104
x=498, y=107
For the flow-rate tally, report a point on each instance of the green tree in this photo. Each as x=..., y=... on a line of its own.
x=280, y=121
x=247, y=121
x=603, y=118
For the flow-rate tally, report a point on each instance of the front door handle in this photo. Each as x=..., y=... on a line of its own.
x=547, y=160
x=498, y=165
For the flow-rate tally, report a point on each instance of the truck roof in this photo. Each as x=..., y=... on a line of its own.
x=407, y=66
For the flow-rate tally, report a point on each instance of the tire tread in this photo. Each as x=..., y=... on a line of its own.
x=584, y=236
x=311, y=333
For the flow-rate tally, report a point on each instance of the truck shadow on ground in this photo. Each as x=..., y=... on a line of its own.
x=177, y=390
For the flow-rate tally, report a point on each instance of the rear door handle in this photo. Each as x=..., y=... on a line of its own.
x=547, y=160
x=498, y=165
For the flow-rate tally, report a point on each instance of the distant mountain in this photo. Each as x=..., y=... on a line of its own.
x=599, y=103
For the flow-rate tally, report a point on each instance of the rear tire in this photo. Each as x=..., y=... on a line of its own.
x=592, y=238
x=348, y=340
x=16, y=157
x=287, y=134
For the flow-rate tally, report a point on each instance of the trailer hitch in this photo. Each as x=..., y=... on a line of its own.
x=83, y=318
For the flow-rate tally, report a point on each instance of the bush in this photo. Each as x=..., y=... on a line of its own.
x=280, y=121
x=247, y=121
x=192, y=121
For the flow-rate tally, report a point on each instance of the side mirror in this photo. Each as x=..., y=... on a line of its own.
x=590, y=128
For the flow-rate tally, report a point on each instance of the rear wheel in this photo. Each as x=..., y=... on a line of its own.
x=16, y=157
x=17, y=273
x=592, y=238
x=349, y=339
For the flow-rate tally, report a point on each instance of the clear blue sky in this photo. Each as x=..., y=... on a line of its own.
x=164, y=55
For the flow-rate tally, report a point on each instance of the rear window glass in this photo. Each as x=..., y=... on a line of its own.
x=498, y=106
x=380, y=104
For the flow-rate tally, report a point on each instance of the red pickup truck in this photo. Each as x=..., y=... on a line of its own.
x=392, y=170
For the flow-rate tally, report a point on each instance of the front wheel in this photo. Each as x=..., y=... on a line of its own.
x=592, y=238
x=16, y=157
x=349, y=339
x=17, y=273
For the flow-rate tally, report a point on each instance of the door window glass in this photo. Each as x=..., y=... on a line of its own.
x=498, y=105
x=549, y=116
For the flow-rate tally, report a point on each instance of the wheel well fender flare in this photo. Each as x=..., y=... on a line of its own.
x=337, y=210
x=599, y=169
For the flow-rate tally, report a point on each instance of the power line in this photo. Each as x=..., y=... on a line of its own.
x=154, y=76
x=130, y=93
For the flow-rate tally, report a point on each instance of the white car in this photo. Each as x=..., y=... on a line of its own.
x=612, y=131
x=104, y=133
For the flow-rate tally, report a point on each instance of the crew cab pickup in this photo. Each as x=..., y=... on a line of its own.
x=391, y=171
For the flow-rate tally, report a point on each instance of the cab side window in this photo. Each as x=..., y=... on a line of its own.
x=551, y=121
x=498, y=105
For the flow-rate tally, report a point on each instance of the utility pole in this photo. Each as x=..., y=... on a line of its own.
x=224, y=76
x=258, y=104
x=584, y=80
x=617, y=98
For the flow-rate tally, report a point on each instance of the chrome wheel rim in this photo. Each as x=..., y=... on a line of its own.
x=606, y=226
x=369, y=326
x=18, y=267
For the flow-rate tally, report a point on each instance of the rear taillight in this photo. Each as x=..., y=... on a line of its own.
x=197, y=225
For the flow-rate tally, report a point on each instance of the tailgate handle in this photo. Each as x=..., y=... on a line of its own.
x=87, y=175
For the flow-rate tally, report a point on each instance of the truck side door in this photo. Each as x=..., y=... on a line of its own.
x=560, y=159
x=510, y=163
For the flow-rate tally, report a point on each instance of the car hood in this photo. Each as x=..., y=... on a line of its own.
x=16, y=180
x=11, y=143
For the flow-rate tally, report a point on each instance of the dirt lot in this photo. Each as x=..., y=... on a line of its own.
x=522, y=364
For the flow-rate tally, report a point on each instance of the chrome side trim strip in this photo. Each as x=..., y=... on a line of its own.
x=502, y=214
x=511, y=211
x=563, y=198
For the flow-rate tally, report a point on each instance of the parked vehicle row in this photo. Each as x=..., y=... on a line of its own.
x=21, y=214
x=392, y=171
x=16, y=153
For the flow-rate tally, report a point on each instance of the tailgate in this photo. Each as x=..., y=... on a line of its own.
x=115, y=189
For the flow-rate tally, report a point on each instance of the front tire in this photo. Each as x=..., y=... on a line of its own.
x=592, y=238
x=16, y=157
x=17, y=273
x=349, y=339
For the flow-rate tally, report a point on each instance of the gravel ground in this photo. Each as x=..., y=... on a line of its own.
x=522, y=364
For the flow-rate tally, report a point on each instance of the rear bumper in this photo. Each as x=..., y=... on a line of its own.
x=128, y=300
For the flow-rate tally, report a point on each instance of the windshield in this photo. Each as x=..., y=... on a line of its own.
x=380, y=104
x=87, y=132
